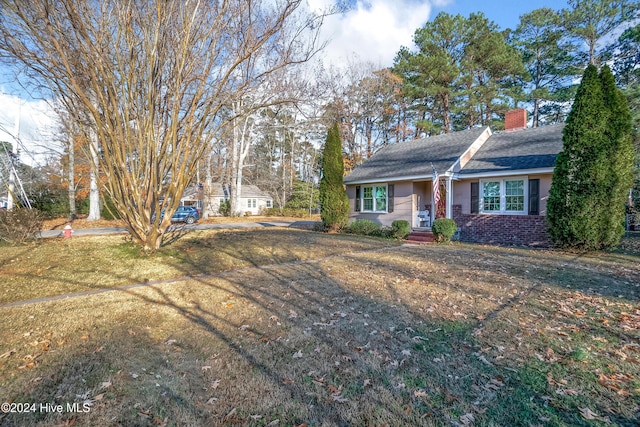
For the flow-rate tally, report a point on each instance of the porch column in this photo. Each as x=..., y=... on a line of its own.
x=449, y=198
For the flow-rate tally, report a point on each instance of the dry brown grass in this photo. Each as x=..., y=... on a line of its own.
x=82, y=223
x=60, y=266
x=431, y=335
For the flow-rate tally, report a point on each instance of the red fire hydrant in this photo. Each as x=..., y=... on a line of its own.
x=67, y=231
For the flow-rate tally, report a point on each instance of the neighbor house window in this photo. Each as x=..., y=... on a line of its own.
x=503, y=196
x=251, y=203
x=374, y=198
x=269, y=205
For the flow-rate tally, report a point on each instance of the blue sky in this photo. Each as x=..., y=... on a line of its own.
x=371, y=31
x=374, y=30
x=505, y=13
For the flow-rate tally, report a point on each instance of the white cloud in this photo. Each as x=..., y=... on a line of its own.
x=37, y=125
x=372, y=30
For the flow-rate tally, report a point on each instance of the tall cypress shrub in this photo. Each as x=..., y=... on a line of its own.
x=575, y=205
x=620, y=159
x=334, y=203
x=585, y=210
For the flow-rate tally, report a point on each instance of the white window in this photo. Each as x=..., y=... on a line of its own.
x=374, y=198
x=251, y=203
x=269, y=204
x=503, y=196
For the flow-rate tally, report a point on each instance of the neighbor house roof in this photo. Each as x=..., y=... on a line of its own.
x=192, y=192
x=414, y=159
x=534, y=148
x=247, y=191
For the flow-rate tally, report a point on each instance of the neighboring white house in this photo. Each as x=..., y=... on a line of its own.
x=252, y=200
x=192, y=196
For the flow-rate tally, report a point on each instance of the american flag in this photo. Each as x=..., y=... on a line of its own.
x=436, y=188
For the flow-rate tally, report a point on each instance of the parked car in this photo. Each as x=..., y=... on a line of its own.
x=188, y=214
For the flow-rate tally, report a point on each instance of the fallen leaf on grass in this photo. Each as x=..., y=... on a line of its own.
x=588, y=414
x=467, y=419
x=298, y=354
x=484, y=360
x=212, y=401
x=215, y=384
x=367, y=382
x=567, y=392
x=105, y=384
x=339, y=398
x=420, y=393
x=494, y=384
x=99, y=397
x=7, y=354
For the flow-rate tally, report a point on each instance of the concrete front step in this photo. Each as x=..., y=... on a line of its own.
x=420, y=237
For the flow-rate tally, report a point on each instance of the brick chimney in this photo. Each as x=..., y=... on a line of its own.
x=515, y=119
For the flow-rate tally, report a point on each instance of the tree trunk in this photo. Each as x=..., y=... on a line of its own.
x=94, y=191
x=71, y=176
x=446, y=113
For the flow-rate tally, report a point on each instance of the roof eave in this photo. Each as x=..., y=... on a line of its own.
x=505, y=172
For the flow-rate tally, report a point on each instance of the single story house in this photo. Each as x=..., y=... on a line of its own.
x=252, y=199
x=494, y=185
x=192, y=196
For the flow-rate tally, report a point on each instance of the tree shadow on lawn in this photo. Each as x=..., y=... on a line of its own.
x=606, y=274
x=194, y=256
x=301, y=343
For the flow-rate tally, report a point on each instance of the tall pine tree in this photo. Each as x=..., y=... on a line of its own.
x=334, y=203
x=585, y=210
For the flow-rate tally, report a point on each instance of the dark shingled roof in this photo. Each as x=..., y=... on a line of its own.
x=414, y=158
x=532, y=148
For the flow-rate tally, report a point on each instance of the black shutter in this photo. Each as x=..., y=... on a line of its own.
x=390, y=198
x=534, y=197
x=475, y=197
x=357, y=207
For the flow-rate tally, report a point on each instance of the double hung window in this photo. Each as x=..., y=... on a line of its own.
x=503, y=196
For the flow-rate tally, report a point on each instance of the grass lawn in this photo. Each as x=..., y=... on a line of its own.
x=303, y=328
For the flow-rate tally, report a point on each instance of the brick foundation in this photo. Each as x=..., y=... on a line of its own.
x=527, y=230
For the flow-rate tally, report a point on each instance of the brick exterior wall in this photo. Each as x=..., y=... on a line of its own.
x=527, y=230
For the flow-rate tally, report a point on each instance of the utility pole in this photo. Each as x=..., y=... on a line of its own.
x=12, y=170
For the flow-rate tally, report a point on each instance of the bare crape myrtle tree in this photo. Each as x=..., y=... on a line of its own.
x=154, y=80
